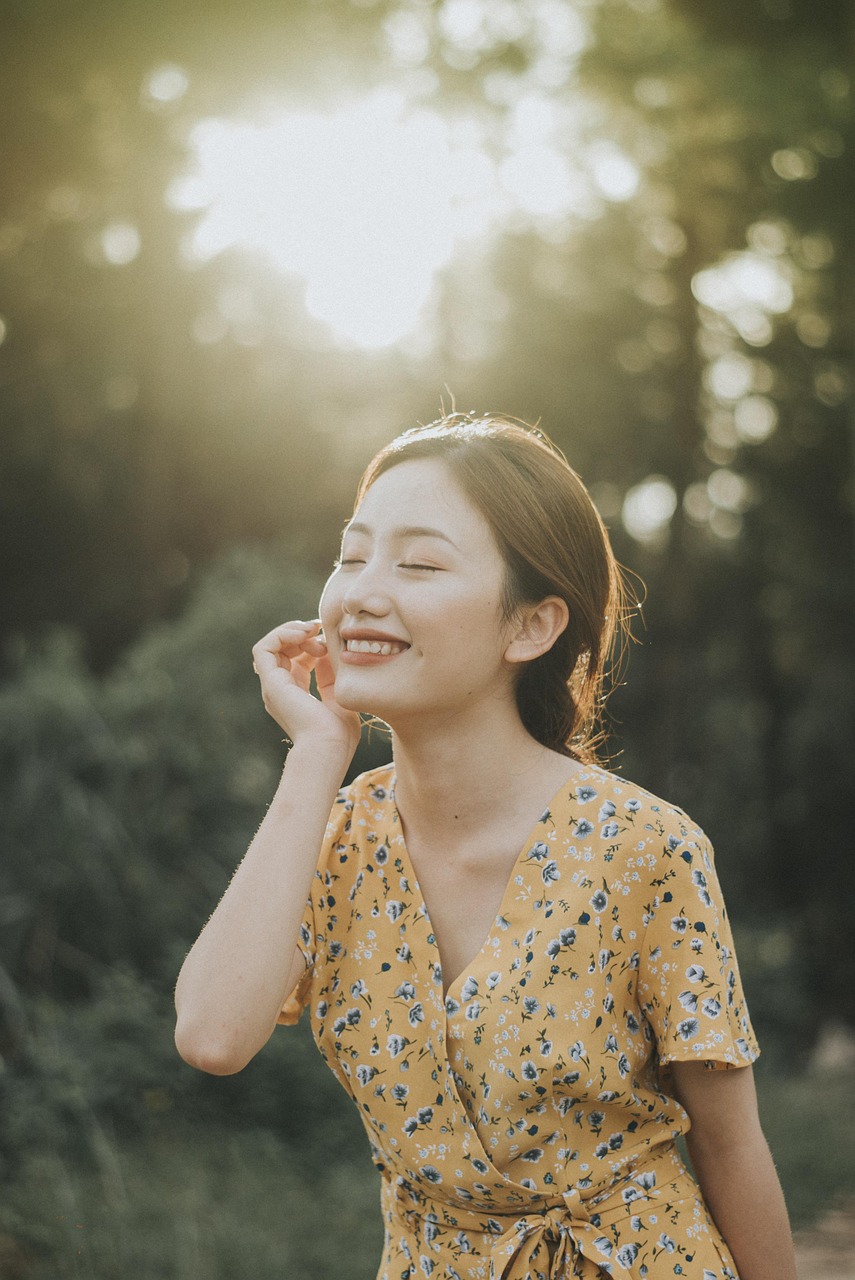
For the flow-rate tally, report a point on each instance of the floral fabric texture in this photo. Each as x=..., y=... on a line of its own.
x=522, y=1122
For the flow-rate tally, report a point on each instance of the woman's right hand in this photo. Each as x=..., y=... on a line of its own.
x=284, y=660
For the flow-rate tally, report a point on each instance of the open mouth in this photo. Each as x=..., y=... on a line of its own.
x=382, y=647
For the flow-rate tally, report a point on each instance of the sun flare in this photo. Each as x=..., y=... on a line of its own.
x=369, y=203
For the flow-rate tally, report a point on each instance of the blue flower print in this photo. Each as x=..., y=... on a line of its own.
x=584, y=794
x=493, y=980
x=688, y=1028
x=711, y=1007
x=394, y=909
x=539, y=851
x=583, y=827
x=633, y=806
x=689, y=1001
x=607, y=810
x=550, y=872
x=469, y=988
x=626, y=1255
x=599, y=901
x=610, y=830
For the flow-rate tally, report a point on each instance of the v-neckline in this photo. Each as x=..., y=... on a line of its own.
x=417, y=888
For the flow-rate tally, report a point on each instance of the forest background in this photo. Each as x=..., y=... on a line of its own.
x=241, y=246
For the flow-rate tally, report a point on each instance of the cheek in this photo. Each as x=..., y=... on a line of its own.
x=329, y=609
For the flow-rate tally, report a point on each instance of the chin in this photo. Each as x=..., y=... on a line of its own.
x=357, y=700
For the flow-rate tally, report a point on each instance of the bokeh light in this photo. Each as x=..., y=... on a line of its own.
x=648, y=508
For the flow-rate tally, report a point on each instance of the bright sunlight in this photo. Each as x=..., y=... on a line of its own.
x=369, y=203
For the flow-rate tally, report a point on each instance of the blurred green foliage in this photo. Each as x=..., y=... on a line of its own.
x=165, y=500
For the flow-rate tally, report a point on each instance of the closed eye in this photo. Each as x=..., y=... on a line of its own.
x=340, y=564
x=430, y=568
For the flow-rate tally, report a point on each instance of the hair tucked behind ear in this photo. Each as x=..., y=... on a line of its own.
x=553, y=543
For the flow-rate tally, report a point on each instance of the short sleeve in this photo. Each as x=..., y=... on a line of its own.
x=296, y=1002
x=689, y=987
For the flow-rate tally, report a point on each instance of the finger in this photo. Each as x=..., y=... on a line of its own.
x=282, y=642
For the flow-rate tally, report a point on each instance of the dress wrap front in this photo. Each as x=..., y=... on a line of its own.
x=523, y=1124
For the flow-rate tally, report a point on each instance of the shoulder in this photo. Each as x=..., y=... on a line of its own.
x=604, y=798
x=641, y=835
x=368, y=796
x=374, y=787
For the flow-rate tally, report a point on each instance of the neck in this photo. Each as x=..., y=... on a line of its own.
x=448, y=779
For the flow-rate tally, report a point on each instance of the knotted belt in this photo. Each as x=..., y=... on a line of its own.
x=569, y=1237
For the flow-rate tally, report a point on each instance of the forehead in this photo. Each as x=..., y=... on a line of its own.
x=422, y=493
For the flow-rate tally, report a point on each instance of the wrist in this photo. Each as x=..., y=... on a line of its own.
x=322, y=756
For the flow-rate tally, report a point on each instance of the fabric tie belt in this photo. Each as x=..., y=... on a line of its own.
x=568, y=1238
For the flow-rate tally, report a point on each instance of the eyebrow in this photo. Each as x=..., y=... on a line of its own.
x=401, y=532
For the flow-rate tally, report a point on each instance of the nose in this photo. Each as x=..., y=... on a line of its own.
x=367, y=591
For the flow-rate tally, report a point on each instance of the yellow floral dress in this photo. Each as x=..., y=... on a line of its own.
x=523, y=1123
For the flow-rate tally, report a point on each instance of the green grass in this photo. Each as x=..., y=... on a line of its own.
x=809, y=1122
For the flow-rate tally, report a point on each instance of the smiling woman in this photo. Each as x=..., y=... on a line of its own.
x=517, y=964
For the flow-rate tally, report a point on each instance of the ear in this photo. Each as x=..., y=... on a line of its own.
x=535, y=629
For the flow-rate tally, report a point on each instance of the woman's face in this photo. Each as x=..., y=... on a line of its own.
x=412, y=613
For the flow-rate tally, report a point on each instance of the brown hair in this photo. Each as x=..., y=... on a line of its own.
x=553, y=542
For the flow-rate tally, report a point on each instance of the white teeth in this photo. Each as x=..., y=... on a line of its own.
x=383, y=647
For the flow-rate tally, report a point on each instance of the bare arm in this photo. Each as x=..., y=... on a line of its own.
x=244, y=963
x=734, y=1168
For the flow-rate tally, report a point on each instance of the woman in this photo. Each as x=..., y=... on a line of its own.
x=518, y=964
